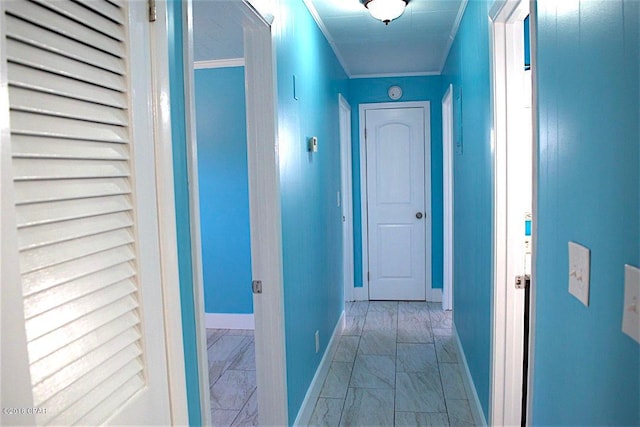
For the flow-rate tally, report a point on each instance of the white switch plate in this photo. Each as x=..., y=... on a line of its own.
x=317, y=341
x=579, y=260
x=631, y=315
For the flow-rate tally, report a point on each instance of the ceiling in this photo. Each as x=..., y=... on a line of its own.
x=417, y=43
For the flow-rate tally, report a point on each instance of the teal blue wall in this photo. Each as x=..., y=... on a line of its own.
x=427, y=88
x=311, y=220
x=183, y=224
x=467, y=68
x=587, y=372
x=224, y=189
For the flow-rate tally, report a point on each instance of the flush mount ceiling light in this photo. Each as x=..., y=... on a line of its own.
x=385, y=10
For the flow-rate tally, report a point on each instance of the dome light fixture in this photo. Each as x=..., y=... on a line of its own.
x=385, y=10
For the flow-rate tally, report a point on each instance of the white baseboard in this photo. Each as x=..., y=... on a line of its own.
x=360, y=294
x=434, y=295
x=306, y=409
x=229, y=321
x=479, y=418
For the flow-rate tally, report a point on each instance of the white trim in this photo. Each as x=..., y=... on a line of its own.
x=194, y=207
x=310, y=398
x=327, y=35
x=167, y=219
x=346, y=189
x=454, y=32
x=434, y=295
x=265, y=218
x=505, y=404
x=217, y=63
x=479, y=418
x=229, y=321
x=447, y=192
x=410, y=74
x=363, y=292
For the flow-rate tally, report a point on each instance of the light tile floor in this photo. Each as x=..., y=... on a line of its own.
x=232, y=377
x=396, y=364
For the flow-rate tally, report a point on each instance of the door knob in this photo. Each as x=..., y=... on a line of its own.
x=419, y=215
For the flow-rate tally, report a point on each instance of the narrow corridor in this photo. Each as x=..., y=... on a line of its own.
x=396, y=364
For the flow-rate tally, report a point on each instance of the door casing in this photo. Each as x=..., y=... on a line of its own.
x=447, y=199
x=362, y=293
x=346, y=196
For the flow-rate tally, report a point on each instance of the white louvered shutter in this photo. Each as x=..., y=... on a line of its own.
x=73, y=159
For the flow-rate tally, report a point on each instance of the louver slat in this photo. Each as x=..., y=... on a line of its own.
x=81, y=14
x=69, y=97
x=31, y=78
x=52, y=42
x=44, y=103
x=70, y=189
x=62, y=25
x=59, y=338
x=44, y=213
x=34, y=57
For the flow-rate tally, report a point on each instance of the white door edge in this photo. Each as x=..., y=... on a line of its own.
x=346, y=197
x=194, y=211
x=502, y=15
x=363, y=293
x=265, y=220
x=447, y=171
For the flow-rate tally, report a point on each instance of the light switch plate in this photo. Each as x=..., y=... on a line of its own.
x=631, y=315
x=579, y=266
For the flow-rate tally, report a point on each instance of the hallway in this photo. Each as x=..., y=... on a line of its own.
x=396, y=364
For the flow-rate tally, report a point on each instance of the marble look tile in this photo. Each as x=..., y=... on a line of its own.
x=368, y=407
x=441, y=322
x=452, y=381
x=459, y=413
x=413, y=311
x=241, y=332
x=347, y=348
x=214, y=335
x=420, y=419
x=356, y=308
x=416, y=357
x=337, y=381
x=326, y=413
x=381, y=320
x=233, y=389
x=373, y=371
x=353, y=325
x=419, y=392
x=223, y=417
x=378, y=342
x=414, y=331
x=223, y=352
x=246, y=358
x=248, y=416
x=383, y=306
x=446, y=349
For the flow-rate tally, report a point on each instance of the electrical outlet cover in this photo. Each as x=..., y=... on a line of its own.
x=579, y=266
x=631, y=314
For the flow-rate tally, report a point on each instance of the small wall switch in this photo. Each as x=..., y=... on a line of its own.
x=631, y=314
x=317, y=341
x=579, y=264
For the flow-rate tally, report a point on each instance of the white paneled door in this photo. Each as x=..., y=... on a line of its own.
x=83, y=336
x=397, y=220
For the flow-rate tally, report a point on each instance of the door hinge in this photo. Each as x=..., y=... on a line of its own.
x=153, y=13
x=523, y=281
x=365, y=133
x=368, y=276
x=256, y=285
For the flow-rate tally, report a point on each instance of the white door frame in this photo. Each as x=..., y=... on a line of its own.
x=508, y=302
x=346, y=198
x=362, y=294
x=447, y=191
x=264, y=216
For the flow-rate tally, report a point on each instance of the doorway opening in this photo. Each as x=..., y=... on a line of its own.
x=447, y=191
x=232, y=42
x=395, y=167
x=346, y=197
x=514, y=213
